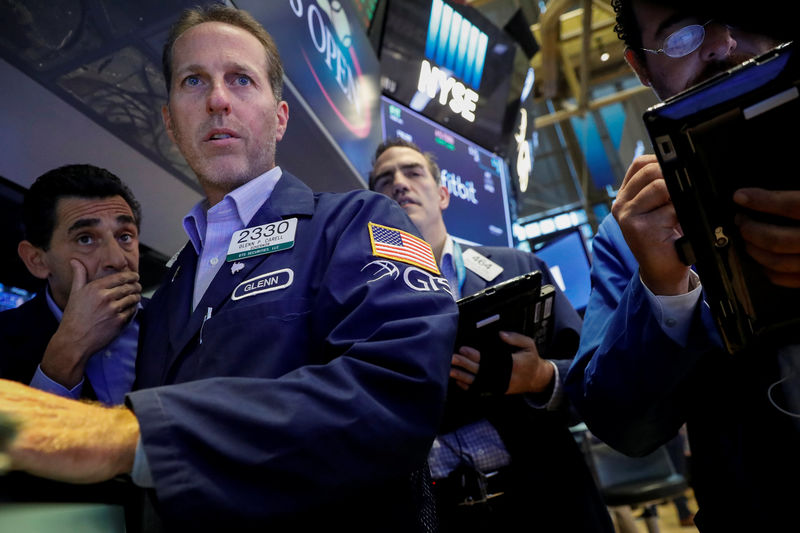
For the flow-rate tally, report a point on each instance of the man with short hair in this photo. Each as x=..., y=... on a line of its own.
x=514, y=439
x=280, y=384
x=77, y=338
x=650, y=358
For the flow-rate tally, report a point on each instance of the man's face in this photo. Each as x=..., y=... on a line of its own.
x=222, y=113
x=722, y=48
x=402, y=174
x=100, y=233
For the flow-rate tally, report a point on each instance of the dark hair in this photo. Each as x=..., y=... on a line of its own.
x=235, y=17
x=627, y=27
x=430, y=158
x=735, y=13
x=81, y=181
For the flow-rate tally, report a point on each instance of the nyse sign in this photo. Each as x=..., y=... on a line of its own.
x=461, y=99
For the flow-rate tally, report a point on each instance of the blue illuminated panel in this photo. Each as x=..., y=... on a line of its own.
x=456, y=44
x=568, y=260
x=12, y=297
x=476, y=178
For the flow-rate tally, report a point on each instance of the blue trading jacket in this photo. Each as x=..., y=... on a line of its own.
x=309, y=403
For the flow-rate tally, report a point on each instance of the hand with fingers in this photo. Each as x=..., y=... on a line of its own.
x=775, y=247
x=529, y=374
x=67, y=440
x=650, y=225
x=94, y=315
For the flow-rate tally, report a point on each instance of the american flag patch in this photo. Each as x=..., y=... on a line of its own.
x=396, y=244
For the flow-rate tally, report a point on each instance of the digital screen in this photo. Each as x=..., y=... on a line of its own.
x=365, y=11
x=451, y=64
x=329, y=59
x=12, y=297
x=568, y=260
x=478, y=213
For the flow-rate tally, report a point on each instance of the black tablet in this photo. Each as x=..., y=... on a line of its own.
x=734, y=130
x=513, y=305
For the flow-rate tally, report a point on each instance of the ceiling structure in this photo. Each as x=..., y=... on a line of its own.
x=573, y=36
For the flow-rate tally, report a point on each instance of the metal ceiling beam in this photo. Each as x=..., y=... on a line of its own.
x=550, y=29
x=558, y=116
x=586, y=45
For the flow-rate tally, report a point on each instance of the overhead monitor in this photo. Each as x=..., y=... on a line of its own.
x=476, y=178
x=451, y=64
x=568, y=259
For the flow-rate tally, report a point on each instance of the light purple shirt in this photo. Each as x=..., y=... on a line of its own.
x=110, y=370
x=210, y=232
x=210, y=229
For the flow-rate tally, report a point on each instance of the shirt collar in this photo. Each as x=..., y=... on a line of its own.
x=448, y=254
x=58, y=313
x=245, y=200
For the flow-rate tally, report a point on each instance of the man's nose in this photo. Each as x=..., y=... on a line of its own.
x=218, y=101
x=399, y=183
x=718, y=43
x=114, y=257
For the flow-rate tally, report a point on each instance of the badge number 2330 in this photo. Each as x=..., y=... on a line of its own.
x=264, y=239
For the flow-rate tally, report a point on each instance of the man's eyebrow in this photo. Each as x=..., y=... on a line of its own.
x=126, y=219
x=671, y=20
x=91, y=222
x=83, y=223
x=406, y=166
x=235, y=66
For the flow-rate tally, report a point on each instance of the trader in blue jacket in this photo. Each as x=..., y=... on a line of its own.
x=650, y=358
x=504, y=454
x=288, y=377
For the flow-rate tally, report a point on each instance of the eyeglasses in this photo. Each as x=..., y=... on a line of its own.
x=683, y=41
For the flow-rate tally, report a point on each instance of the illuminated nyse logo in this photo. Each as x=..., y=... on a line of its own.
x=459, y=50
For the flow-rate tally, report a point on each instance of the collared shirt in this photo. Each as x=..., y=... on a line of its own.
x=110, y=370
x=449, y=268
x=210, y=229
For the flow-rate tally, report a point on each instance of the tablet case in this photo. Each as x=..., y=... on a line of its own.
x=513, y=305
x=737, y=129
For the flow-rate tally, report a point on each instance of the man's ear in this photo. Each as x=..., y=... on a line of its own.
x=167, y=121
x=444, y=197
x=638, y=67
x=283, y=119
x=33, y=257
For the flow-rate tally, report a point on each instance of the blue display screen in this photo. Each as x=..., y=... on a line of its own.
x=11, y=297
x=477, y=179
x=568, y=260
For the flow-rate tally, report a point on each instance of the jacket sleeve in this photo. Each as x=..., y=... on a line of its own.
x=630, y=382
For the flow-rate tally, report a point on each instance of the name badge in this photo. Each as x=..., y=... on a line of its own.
x=260, y=240
x=481, y=265
x=280, y=279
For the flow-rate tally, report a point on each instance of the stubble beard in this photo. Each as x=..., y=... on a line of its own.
x=228, y=176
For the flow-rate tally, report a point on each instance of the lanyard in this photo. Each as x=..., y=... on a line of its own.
x=461, y=272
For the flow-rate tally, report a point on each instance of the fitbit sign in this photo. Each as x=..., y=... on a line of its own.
x=456, y=53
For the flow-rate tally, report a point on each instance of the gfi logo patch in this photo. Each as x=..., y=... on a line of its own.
x=414, y=278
